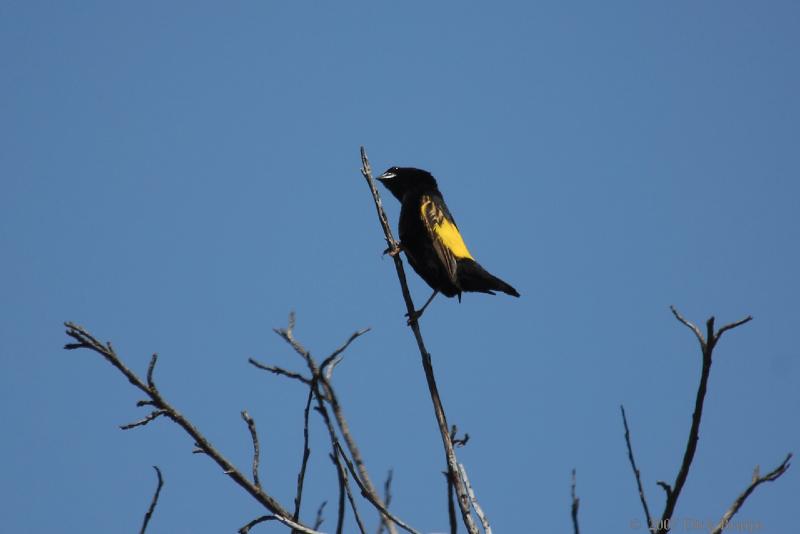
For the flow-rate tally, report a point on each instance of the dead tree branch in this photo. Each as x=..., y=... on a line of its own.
x=366, y=493
x=427, y=365
x=83, y=339
x=576, y=502
x=769, y=477
x=387, y=499
x=346, y=484
x=707, y=344
x=153, y=502
x=301, y=475
x=474, y=500
x=251, y=426
x=636, y=469
x=321, y=390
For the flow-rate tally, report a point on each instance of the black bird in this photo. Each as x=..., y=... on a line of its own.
x=431, y=240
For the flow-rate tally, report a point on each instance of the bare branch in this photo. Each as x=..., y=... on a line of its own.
x=451, y=504
x=246, y=529
x=327, y=361
x=769, y=477
x=288, y=335
x=387, y=499
x=319, y=519
x=251, y=426
x=450, y=455
x=477, y=507
x=296, y=527
x=150, y=370
x=368, y=495
x=341, y=508
x=280, y=371
x=636, y=473
x=731, y=326
x=707, y=345
x=690, y=326
x=666, y=487
x=141, y=422
x=85, y=340
x=153, y=502
x=346, y=483
x=576, y=502
x=306, y=453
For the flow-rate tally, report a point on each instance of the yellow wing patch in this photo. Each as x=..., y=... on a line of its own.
x=443, y=229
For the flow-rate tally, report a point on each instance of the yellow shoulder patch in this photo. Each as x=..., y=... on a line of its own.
x=443, y=229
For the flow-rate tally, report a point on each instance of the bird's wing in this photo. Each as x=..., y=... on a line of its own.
x=442, y=229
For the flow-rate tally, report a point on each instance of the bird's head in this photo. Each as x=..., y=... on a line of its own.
x=400, y=180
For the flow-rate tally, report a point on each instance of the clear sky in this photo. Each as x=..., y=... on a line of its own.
x=178, y=176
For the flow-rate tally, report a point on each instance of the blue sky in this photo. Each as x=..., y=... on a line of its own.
x=178, y=177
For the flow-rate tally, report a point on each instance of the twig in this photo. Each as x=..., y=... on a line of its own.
x=279, y=371
x=451, y=505
x=319, y=519
x=452, y=462
x=296, y=527
x=84, y=339
x=636, y=472
x=341, y=508
x=349, y=493
x=769, y=477
x=245, y=529
x=251, y=425
x=327, y=361
x=365, y=492
x=474, y=500
x=153, y=502
x=301, y=475
x=576, y=502
x=141, y=422
x=387, y=499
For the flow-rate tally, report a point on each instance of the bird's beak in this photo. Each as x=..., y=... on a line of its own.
x=385, y=177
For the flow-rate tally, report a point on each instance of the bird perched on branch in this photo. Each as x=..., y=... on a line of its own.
x=431, y=240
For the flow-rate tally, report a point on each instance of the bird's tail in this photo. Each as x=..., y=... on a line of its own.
x=473, y=277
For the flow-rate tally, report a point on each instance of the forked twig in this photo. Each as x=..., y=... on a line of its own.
x=707, y=344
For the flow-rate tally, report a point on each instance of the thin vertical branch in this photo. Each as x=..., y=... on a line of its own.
x=301, y=475
x=387, y=499
x=153, y=502
x=576, y=502
x=346, y=484
x=450, y=455
x=636, y=472
x=251, y=426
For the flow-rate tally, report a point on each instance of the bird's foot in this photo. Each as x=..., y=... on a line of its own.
x=414, y=316
x=393, y=251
